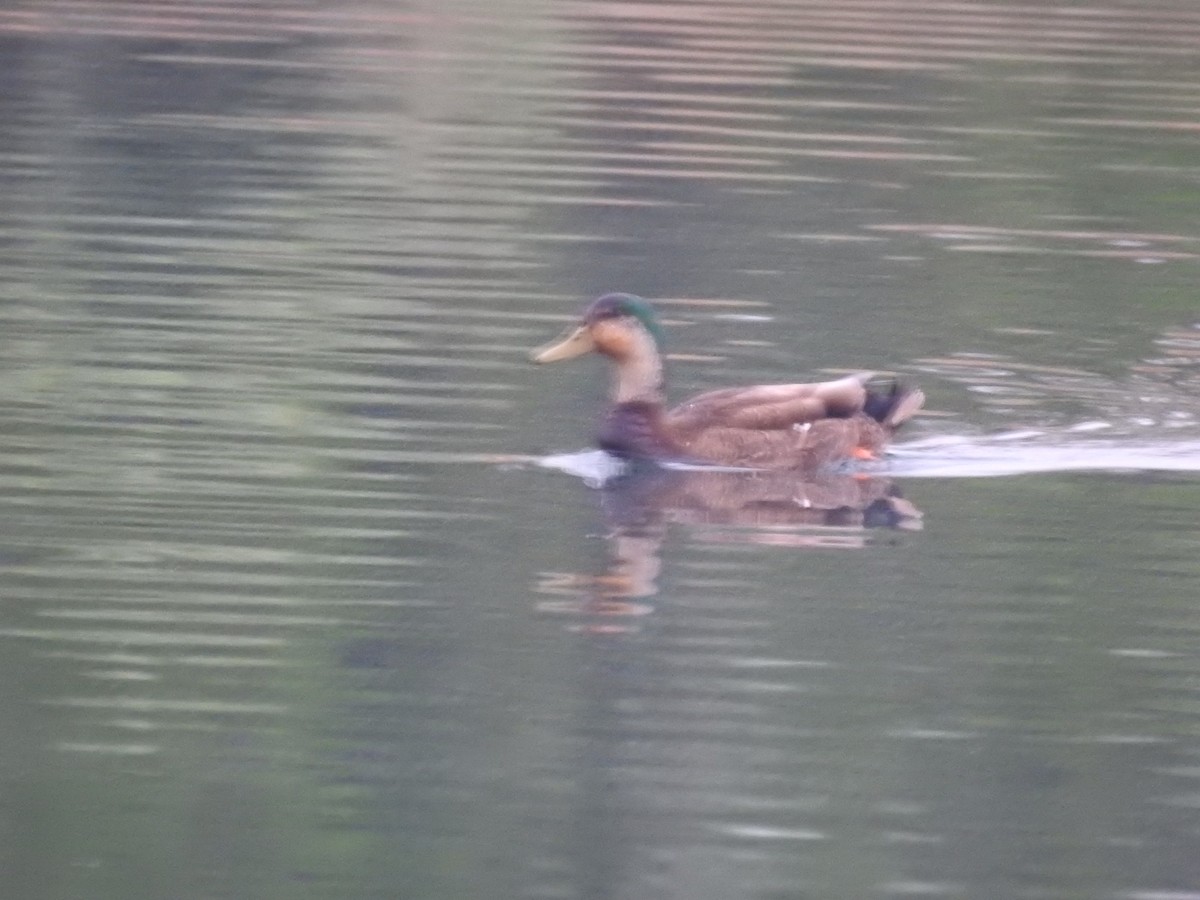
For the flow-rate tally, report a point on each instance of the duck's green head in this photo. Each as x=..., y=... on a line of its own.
x=616, y=325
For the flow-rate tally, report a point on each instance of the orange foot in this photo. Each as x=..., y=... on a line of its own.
x=864, y=454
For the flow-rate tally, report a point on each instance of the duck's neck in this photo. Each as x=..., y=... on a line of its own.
x=639, y=373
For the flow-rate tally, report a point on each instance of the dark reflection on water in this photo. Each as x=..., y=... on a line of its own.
x=820, y=511
x=276, y=623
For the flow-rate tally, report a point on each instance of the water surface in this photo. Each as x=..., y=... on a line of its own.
x=289, y=610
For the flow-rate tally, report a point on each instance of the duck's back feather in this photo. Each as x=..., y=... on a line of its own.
x=790, y=425
x=770, y=406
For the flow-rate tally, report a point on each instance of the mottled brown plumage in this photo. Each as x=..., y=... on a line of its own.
x=773, y=426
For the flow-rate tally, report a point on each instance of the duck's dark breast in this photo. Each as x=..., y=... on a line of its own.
x=635, y=431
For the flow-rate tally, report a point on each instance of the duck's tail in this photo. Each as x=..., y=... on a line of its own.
x=893, y=405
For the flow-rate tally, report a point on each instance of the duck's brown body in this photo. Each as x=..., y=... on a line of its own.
x=775, y=426
x=778, y=426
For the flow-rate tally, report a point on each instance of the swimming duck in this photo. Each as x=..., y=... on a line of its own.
x=767, y=426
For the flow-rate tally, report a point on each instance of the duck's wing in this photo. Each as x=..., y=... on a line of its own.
x=769, y=407
x=806, y=446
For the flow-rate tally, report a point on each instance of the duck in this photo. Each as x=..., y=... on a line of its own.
x=798, y=427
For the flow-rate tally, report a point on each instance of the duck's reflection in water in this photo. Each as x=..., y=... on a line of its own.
x=832, y=511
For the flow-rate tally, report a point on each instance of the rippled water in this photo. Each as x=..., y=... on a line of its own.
x=290, y=607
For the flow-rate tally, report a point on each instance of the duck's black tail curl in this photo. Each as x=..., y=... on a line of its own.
x=893, y=403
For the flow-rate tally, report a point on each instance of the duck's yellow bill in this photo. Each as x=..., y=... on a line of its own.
x=576, y=342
